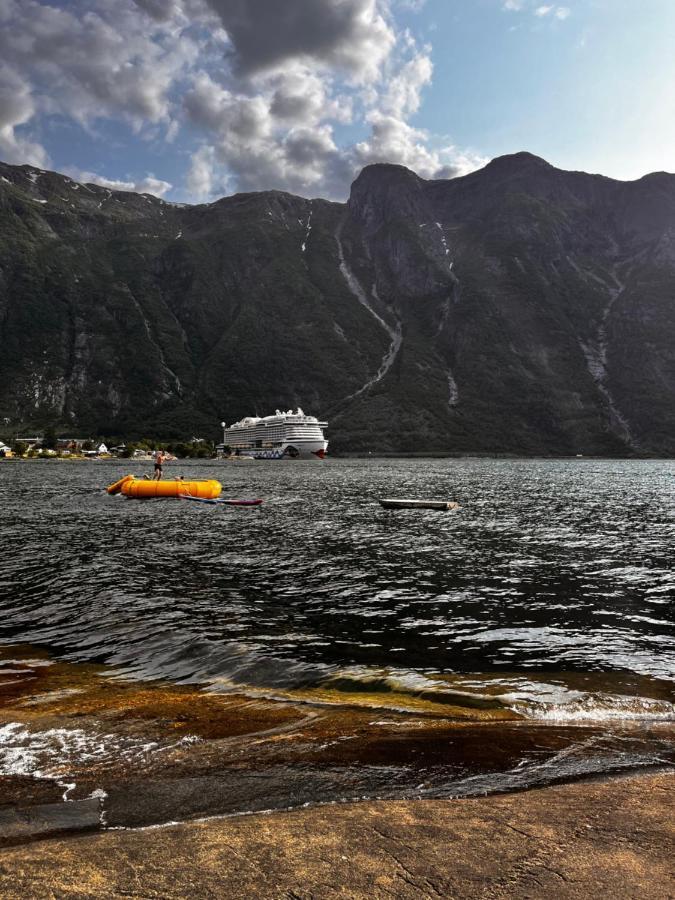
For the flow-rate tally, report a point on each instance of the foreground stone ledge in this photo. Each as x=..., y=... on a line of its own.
x=611, y=839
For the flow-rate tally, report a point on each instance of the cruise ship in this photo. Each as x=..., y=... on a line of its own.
x=285, y=435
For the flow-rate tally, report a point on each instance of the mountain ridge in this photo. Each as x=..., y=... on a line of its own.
x=518, y=309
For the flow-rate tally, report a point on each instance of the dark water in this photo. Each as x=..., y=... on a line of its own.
x=549, y=593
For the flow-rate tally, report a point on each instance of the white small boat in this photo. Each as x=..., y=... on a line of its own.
x=419, y=504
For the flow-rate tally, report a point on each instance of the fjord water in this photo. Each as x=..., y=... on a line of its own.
x=548, y=598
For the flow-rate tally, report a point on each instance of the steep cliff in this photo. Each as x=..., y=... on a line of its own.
x=516, y=309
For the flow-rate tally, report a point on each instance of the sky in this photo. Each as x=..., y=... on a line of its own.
x=196, y=99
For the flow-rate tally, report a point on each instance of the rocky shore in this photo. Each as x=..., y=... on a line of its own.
x=610, y=839
x=110, y=786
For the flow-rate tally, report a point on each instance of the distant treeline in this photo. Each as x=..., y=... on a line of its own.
x=48, y=446
x=199, y=449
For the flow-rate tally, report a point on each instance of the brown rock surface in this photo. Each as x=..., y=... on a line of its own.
x=611, y=839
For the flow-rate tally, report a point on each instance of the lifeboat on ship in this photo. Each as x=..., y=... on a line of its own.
x=144, y=488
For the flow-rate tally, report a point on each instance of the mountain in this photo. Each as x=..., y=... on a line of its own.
x=518, y=309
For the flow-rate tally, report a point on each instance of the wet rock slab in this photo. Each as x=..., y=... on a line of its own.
x=612, y=839
x=47, y=819
x=158, y=752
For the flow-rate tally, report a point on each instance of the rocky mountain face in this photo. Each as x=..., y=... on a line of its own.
x=519, y=309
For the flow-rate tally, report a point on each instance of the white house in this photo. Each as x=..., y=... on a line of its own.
x=101, y=448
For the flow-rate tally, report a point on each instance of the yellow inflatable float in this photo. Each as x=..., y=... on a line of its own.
x=141, y=487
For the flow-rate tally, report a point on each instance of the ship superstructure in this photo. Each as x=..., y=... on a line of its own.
x=285, y=435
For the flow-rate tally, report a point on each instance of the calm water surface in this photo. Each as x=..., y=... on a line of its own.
x=549, y=593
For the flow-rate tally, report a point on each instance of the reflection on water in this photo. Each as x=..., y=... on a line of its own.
x=547, y=597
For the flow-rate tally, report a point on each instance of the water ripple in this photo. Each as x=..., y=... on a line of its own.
x=550, y=566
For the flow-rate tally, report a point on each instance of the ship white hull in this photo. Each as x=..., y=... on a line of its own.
x=291, y=450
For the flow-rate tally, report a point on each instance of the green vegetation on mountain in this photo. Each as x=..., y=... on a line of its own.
x=519, y=309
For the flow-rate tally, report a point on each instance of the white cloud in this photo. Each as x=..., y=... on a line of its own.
x=253, y=92
x=211, y=106
x=200, y=180
x=276, y=127
x=541, y=11
x=103, y=63
x=301, y=96
x=160, y=10
x=392, y=140
x=147, y=185
x=16, y=109
x=403, y=93
x=412, y=5
x=559, y=12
